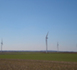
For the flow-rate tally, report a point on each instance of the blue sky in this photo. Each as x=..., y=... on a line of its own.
x=25, y=23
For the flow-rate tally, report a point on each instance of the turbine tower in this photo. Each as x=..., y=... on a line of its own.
x=1, y=44
x=57, y=47
x=46, y=42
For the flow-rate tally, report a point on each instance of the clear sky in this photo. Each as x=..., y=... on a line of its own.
x=25, y=23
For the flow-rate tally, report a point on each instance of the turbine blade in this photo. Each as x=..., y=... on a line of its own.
x=47, y=35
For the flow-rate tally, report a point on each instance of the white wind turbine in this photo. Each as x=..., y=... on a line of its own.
x=1, y=44
x=46, y=42
x=57, y=47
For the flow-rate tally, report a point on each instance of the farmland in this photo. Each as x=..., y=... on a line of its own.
x=38, y=61
x=70, y=57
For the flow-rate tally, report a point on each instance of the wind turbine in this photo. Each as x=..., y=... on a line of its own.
x=1, y=44
x=57, y=46
x=46, y=42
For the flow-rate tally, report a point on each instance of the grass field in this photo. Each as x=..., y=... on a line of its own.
x=69, y=57
x=38, y=61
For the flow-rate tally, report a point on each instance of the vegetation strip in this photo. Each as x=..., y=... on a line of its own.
x=66, y=57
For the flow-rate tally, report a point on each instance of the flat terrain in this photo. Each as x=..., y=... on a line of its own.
x=69, y=57
x=38, y=61
x=21, y=64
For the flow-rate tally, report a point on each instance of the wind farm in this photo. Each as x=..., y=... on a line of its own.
x=38, y=34
x=44, y=59
x=34, y=60
x=38, y=59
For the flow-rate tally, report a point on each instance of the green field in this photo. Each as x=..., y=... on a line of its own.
x=69, y=57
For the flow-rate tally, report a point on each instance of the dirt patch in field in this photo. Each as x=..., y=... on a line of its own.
x=20, y=64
